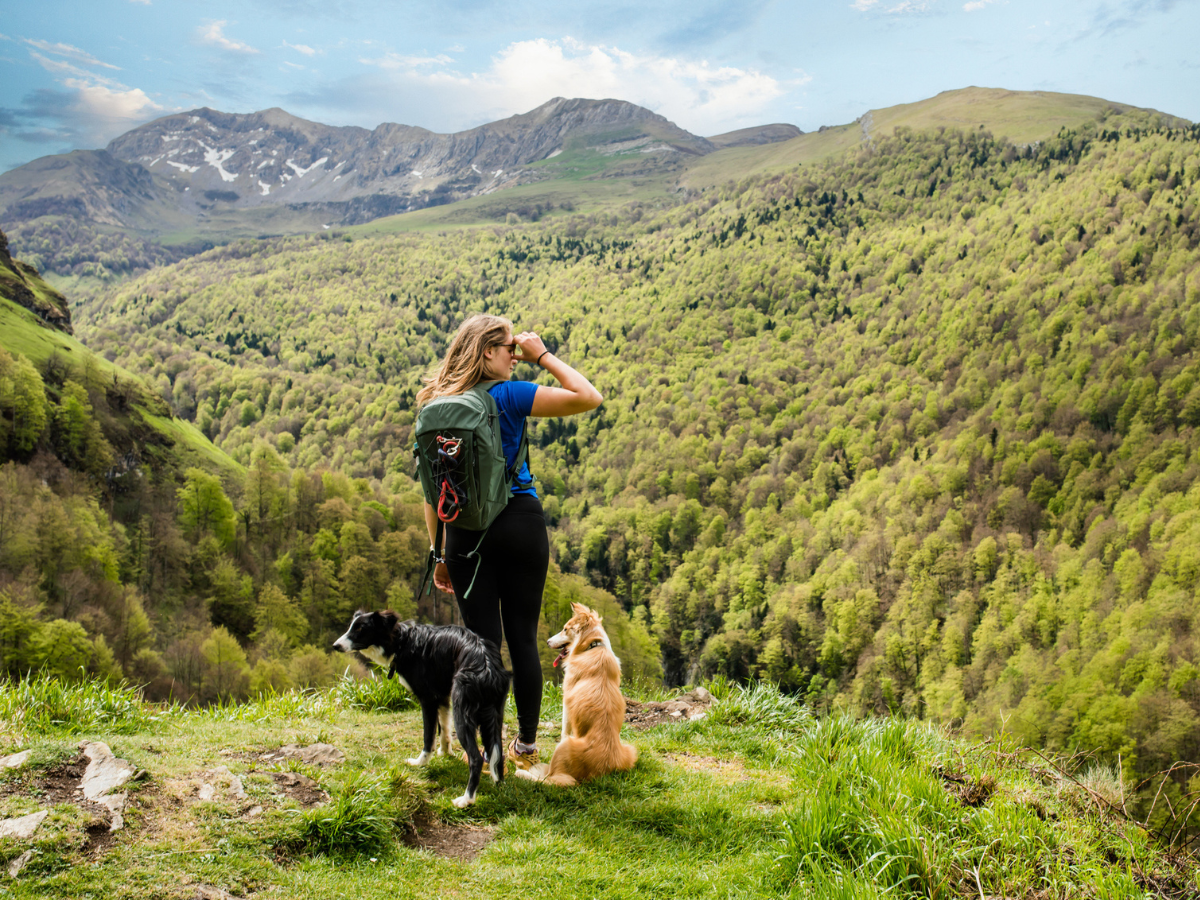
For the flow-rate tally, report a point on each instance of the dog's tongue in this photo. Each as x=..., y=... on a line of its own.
x=561, y=656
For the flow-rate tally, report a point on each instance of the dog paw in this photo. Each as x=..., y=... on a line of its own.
x=422, y=759
x=464, y=801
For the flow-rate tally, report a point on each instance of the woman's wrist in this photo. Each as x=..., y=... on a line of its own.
x=538, y=361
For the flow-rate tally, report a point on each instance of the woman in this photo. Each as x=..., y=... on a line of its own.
x=506, y=600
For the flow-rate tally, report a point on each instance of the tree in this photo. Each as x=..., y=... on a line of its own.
x=204, y=509
x=276, y=610
x=226, y=671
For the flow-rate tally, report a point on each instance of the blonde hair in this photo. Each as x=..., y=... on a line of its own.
x=464, y=365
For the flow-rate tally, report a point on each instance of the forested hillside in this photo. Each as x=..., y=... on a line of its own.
x=915, y=430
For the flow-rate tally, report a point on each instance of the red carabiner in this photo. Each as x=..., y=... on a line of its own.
x=454, y=502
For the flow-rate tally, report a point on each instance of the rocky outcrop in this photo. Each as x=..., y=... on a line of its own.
x=760, y=134
x=22, y=284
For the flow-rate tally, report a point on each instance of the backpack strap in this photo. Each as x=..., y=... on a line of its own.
x=522, y=456
x=435, y=552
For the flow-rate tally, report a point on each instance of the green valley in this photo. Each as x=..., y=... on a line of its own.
x=906, y=426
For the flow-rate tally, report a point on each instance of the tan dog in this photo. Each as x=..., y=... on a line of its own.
x=593, y=707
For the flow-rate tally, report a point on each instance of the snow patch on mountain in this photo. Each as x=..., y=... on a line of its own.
x=217, y=158
x=302, y=172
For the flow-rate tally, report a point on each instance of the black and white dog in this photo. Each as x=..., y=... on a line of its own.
x=445, y=667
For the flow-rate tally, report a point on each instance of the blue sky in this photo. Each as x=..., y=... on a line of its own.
x=77, y=74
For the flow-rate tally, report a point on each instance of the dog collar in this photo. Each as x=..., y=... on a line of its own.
x=594, y=644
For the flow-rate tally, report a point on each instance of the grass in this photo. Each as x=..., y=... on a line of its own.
x=191, y=446
x=22, y=332
x=757, y=799
x=42, y=705
x=364, y=816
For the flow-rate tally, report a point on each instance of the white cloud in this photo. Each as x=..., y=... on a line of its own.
x=62, y=67
x=143, y=2
x=102, y=104
x=87, y=108
x=68, y=52
x=976, y=5
x=301, y=48
x=702, y=98
x=214, y=33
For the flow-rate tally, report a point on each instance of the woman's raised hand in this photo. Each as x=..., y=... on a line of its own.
x=531, y=345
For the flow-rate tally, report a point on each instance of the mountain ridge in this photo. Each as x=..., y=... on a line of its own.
x=182, y=183
x=203, y=162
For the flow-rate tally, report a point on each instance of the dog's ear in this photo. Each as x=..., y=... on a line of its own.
x=579, y=609
x=388, y=618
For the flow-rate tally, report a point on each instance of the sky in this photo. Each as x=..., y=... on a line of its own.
x=78, y=73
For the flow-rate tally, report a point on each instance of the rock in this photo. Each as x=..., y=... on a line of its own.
x=24, y=827
x=104, y=772
x=15, y=761
x=314, y=754
x=15, y=867
x=218, y=777
x=115, y=803
x=103, y=775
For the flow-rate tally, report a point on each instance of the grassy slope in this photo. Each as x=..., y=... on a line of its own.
x=1021, y=116
x=22, y=332
x=592, y=181
x=757, y=799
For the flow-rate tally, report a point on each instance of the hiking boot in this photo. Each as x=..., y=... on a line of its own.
x=523, y=756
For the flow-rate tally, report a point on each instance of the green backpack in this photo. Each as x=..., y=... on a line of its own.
x=460, y=461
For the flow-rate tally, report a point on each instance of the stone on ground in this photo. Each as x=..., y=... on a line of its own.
x=104, y=774
x=15, y=761
x=22, y=827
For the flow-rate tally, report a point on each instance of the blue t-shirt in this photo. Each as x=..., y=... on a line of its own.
x=514, y=399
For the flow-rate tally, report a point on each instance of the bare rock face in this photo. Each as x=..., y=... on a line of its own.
x=104, y=774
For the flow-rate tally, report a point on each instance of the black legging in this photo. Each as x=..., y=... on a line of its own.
x=506, y=600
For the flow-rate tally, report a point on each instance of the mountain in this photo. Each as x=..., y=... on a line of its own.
x=183, y=183
x=209, y=172
x=1023, y=117
x=753, y=137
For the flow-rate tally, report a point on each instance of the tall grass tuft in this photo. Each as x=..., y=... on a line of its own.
x=363, y=816
x=872, y=814
x=373, y=694
x=761, y=704
x=43, y=704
